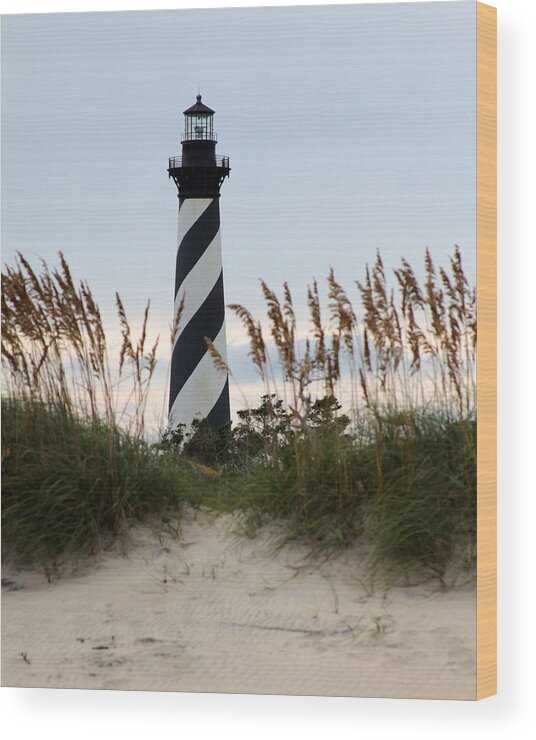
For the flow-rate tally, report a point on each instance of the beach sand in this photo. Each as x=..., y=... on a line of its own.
x=209, y=612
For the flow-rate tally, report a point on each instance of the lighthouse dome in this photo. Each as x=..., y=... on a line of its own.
x=198, y=107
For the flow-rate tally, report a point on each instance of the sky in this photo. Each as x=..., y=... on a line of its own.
x=349, y=128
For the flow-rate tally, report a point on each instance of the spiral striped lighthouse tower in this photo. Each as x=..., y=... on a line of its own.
x=198, y=389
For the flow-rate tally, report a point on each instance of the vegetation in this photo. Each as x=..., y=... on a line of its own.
x=396, y=467
x=400, y=471
x=75, y=466
x=69, y=485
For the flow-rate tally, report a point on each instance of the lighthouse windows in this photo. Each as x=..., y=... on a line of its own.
x=199, y=127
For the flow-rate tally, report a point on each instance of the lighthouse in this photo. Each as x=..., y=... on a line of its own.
x=198, y=389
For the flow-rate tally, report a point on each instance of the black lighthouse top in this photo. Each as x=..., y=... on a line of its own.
x=198, y=122
x=198, y=172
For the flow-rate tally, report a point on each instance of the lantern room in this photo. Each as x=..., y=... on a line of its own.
x=199, y=123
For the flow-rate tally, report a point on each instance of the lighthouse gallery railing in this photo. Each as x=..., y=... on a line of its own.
x=176, y=162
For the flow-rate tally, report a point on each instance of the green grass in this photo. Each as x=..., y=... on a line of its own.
x=425, y=508
x=404, y=484
x=69, y=485
x=407, y=489
x=398, y=473
x=409, y=492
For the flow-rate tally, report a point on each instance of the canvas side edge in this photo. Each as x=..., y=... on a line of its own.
x=486, y=233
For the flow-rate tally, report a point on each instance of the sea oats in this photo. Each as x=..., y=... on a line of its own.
x=54, y=345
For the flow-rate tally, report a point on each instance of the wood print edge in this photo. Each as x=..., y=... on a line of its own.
x=486, y=618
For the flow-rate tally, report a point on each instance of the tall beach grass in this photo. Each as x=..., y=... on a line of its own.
x=76, y=468
x=366, y=429
x=397, y=467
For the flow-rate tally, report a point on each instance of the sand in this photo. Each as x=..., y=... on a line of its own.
x=209, y=612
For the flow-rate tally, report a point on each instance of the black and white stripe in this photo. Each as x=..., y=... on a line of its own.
x=197, y=388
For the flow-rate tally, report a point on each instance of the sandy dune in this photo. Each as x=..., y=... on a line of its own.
x=210, y=613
